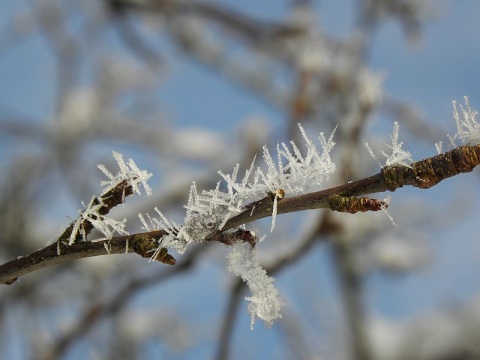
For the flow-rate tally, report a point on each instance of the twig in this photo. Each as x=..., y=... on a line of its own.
x=229, y=318
x=252, y=29
x=108, y=201
x=422, y=174
x=49, y=256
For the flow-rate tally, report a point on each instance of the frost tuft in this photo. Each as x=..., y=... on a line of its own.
x=132, y=176
x=291, y=173
x=175, y=238
x=398, y=155
x=468, y=129
x=265, y=302
x=107, y=226
x=128, y=171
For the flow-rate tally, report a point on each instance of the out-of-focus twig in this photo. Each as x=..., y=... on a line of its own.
x=99, y=311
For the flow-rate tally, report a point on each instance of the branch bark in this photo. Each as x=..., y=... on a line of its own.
x=58, y=253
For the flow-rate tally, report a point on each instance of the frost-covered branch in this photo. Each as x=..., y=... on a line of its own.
x=208, y=213
x=94, y=212
x=427, y=172
x=221, y=214
x=125, y=183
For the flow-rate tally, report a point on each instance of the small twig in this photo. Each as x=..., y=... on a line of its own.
x=229, y=319
x=429, y=172
x=310, y=201
x=97, y=312
x=242, y=24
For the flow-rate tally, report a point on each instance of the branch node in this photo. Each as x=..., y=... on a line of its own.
x=145, y=247
x=428, y=172
x=352, y=204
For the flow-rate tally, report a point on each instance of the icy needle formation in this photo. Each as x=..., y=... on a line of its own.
x=398, y=155
x=292, y=173
x=126, y=180
x=468, y=129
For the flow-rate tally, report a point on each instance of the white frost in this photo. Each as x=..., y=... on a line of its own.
x=107, y=226
x=133, y=176
x=292, y=173
x=468, y=129
x=128, y=171
x=265, y=302
x=398, y=156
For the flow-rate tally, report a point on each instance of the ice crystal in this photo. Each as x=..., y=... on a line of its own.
x=468, y=129
x=107, y=226
x=265, y=301
x=384, y=209
x=398, y=155
x=128, y=171
x=175, y=237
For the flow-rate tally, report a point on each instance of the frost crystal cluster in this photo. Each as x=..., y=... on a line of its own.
x=128, y=173
x=265, y=302
x=291, y=173
x=398, y=155
x=468, y=129
x=105, y=225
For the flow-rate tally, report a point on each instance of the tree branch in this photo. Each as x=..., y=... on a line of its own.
x=422, y=174
x=58, y=253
